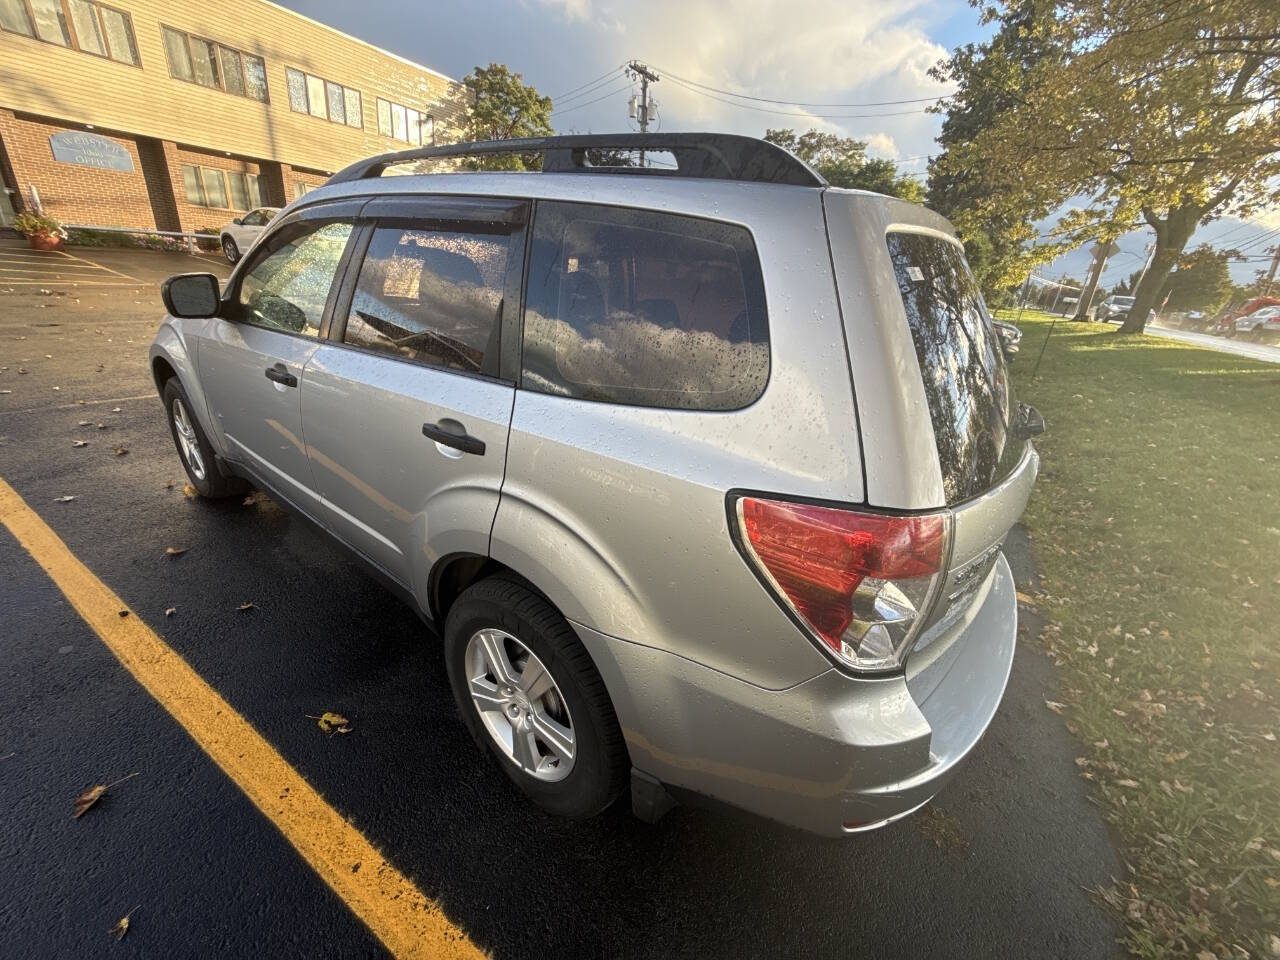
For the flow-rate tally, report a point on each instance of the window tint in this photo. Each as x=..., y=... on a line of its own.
x=652, y=309
x=432, y=295
x=288, y=287
x=965, y=381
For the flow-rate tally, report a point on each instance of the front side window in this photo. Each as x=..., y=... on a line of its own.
x=434, y=296
x=644, y=308
x=286, y=289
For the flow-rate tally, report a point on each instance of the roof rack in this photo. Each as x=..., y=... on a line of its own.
x=715, y=156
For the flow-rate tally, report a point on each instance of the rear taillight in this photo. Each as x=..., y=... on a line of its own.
x=862, y=583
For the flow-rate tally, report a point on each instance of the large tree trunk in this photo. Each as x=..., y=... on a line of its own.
x=1172, y=235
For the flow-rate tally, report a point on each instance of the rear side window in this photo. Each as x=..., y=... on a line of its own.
x=434, y=296
x=965, y=381
x=642, y=308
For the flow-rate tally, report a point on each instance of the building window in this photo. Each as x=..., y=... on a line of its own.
x=300, y=189
x=245, y=192
x=404, y=123
x=210, y=64
x=79, y=24
x=206, y=187
x=323, y=98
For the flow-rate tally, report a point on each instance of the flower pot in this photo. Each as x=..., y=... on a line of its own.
x=44, y=241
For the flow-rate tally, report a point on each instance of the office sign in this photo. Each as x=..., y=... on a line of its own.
x=90, y=150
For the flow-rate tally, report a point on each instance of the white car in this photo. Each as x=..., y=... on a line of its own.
x=1263, y=324
x=242, y=232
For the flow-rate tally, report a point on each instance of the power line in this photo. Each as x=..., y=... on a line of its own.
x=586, y=91
x=801, y=103
x=1256, y=241
x=577, y=106
x=589, y=82
x=792, y=113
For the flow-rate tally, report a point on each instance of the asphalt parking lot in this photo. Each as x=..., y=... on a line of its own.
x=999, y=866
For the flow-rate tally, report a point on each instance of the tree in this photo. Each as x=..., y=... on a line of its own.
x=1158, y=112
x=1201, y=282
x=505, y=108
x=843, y=162
x=990, y=79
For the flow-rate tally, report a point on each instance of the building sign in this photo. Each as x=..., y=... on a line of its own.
x=90, y=150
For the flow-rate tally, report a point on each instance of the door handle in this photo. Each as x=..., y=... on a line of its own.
x=450, y=433
x=280, y=375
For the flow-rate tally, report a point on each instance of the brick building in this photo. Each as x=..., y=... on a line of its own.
x=142, y=113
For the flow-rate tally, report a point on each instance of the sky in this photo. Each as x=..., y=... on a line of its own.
x=853, y=54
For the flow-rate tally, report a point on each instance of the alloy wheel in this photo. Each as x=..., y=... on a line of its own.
x=520, y=705
x=188, y=445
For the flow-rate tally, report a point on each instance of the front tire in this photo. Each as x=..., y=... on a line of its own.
x=531, y=697
x=230, y=250
x=194, y=449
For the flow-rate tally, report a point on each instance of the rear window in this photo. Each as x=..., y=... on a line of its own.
x=965, y=380
x=642, y=308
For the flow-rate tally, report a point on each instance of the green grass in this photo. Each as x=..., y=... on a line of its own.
x=1156, y=527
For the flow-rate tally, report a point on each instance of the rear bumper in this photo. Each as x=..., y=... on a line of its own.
x=833, y=755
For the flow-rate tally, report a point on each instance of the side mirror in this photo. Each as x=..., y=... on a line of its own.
x=191, y=295
x=238, y=221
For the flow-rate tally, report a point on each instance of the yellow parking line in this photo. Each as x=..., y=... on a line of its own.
x=407, y=922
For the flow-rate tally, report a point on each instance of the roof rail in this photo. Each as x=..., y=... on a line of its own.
x=715, y=156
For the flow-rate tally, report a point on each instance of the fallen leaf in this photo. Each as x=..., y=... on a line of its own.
x=121, y=451
x=171, y=611
x=122, y=925
x=91, y=796
x=115, y=409
x=85, y=423
x=1126, y=783
x=175, y=551
x=102, y=426
x=123, y=614
x=79, y=443
x=1055, y=706
x=66, y=499
x=189, y=491
x=332, y=722
x=247, y=605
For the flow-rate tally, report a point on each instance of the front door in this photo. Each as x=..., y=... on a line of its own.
x=408, y=405
x=252, y=358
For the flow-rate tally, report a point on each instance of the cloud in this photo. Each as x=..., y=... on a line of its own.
x=883, y=145
x=825, y=51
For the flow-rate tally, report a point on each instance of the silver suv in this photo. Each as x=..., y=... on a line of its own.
x=700, y=470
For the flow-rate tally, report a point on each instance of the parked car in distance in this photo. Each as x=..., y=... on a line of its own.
x=1010, y=338
x=242, y=232
x=1112, y=308
x=591, y=426
x=1262, y=325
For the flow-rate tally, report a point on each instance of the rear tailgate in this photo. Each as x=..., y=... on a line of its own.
x=935, y=404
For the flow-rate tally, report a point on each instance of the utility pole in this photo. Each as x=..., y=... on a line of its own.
x=1101, y=251
x=1271, y=274
x=642, y=111
x=1058, y=296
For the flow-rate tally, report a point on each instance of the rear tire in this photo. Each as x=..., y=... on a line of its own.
x=194, y=450
x=230, y=250
x=500, y=619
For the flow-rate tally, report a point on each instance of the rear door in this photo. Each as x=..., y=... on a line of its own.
x=409, y=401
x=251, y=357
